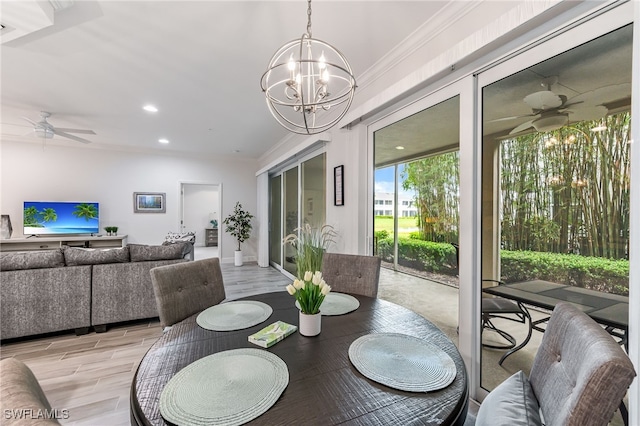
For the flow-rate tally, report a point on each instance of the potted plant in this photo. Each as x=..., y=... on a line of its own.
x=239, y=226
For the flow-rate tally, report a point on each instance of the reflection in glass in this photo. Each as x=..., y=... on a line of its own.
x=275, y=220
x=556, y=172
x=290, y=219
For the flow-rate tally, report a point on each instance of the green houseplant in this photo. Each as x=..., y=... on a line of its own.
x=238, y=224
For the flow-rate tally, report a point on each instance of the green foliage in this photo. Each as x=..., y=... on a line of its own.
x=596, y=273
x=85, y=210
x=421, y=255
x=382, y=234
x=239, y=224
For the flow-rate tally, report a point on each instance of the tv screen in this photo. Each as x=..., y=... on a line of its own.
x=56, y=217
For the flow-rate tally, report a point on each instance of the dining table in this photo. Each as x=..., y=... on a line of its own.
x=324, y=386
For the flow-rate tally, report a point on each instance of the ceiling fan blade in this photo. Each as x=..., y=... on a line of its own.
x=521, y=127
x=604, y=94
x=543, y=100
x=86, y=132
x=72, y=137
x=511, y=118
x=30, y=121
x=588, y=113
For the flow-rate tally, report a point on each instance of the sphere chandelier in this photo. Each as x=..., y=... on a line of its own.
x=309, y=84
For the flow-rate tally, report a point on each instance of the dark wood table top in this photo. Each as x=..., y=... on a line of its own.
x=324, y=388
x=605, y=308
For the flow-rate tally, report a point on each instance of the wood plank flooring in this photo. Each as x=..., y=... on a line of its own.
x=90, y=375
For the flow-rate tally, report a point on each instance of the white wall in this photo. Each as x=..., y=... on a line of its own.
x=200, y=201
x=56, y=173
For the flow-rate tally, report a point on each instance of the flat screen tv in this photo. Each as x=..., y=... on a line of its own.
x=58, y=217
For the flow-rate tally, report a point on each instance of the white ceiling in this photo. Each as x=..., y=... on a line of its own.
x=94, y=64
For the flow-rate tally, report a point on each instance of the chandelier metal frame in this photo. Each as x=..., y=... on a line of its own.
x=297, y=82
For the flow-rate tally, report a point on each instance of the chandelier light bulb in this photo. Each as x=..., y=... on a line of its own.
x=296, y=84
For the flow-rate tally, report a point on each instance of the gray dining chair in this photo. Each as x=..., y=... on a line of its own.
x=183, y=289
x=578, y=378
x=20, y=393
x=350, y=273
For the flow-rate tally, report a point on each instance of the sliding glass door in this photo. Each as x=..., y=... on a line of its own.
x=556, y=176
x=297, y=197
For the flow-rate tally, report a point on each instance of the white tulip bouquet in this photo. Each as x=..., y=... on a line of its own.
x=309, y=292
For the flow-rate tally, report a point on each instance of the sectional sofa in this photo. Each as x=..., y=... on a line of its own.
x=75, y=289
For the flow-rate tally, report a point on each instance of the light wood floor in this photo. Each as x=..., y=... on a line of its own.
x=90, y=375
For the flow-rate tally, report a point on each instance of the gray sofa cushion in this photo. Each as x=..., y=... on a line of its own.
x=16, y=261
x=123, y=292
x=512, y=403
x=45, y=300
x=78, y=256
x=142, y=253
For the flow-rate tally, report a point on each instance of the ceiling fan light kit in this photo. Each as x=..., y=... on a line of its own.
x=45, y=130
x=309, y=84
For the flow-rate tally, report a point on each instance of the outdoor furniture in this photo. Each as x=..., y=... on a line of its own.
x=324, y=387
x=494, y=307
x=610, y=310
x=578, y=378
x=351, y=273
x=20, y=393
x=183, y=289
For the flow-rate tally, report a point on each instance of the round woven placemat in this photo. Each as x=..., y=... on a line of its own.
x=402, y=362
x=337, y=304
x=227, y=388
x=234, y=315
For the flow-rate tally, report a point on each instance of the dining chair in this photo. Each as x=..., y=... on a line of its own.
x=579, y=377
x=183, y=289
x=352, y=273
x=22, y=400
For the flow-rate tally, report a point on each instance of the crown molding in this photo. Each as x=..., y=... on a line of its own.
x=440, y=21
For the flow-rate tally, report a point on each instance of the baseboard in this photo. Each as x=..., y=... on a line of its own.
x=246, y=259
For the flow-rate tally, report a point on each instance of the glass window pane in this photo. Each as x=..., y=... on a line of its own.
x=275, y=220
x=290, y=219
x=555, y=190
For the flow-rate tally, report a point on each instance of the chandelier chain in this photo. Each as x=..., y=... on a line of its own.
x=309, y=18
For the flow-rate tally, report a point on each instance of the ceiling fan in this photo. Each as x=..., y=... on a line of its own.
x=44, y=129
x=551, y=111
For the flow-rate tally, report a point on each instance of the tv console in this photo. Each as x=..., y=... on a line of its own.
x=50, y=243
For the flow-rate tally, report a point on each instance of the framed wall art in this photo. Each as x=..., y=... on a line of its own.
x=149, y=202
x=338, y=185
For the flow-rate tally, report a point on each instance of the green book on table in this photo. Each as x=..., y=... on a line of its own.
x=272, y=334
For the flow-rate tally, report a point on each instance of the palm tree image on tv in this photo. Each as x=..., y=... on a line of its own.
x=87, y=211
x=43, y=218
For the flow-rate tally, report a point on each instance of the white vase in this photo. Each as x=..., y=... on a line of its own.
x=309, y=325
x=238, y=258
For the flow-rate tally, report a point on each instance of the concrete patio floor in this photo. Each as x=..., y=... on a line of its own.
x=439, y=304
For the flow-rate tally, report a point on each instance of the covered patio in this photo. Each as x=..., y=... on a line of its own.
x=438, y=303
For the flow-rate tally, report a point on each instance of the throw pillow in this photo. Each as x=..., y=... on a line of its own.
x=511, y=403
x=15, y=261
x=141, y=253
x=74, y=256
x=173, y=237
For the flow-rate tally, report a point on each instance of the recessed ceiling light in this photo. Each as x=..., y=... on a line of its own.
x=399, y=147
x=163, y=140
x=150, y=108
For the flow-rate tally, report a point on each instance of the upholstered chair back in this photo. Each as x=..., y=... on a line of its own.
x=22, y=400
x=579, y=374
x=351, y=273
x=182, y=289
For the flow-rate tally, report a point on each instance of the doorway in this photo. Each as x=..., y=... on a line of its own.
x=200, y=207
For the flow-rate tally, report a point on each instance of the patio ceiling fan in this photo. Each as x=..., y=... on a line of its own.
x=44, y=129
x=551, y=111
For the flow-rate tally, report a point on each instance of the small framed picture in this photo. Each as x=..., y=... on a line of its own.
x=149, y=202
x=338, y=185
